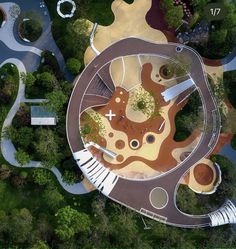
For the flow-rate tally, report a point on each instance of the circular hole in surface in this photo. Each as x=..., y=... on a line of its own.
x=150, y=139
x=134, y=144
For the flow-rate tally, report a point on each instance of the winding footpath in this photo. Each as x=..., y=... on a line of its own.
x=7, y=147
x=9, y=34
x=27, y=59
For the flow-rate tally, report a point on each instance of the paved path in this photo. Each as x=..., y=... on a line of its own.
x=230, y=64
x=29, y=59
x=9, y=35
x=133, y=193
x=8, y=149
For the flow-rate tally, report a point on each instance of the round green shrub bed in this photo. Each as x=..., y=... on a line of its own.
x=30, y=30
x=66, y=8
x=166, y=72
x=233, y=142
x=73, y=65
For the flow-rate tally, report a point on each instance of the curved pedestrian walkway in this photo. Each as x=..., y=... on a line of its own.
x=8, y=149
x=7, y=33
x=46, y=40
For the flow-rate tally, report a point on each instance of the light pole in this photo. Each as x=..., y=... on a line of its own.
x=145, y=225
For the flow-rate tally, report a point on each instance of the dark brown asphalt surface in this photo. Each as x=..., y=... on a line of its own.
x=134, y=193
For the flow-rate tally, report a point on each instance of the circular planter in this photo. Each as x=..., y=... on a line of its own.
x=66, y=11
x=166, y=72
x=30, y=30
x=3, y=17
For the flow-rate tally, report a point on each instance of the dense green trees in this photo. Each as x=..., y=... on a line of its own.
x=222, y=36
x=189, y=118
x=47, y=147
x=227, y=188
x=73, y=65
x=53, y=198
x=28, y=79
x=30, y=25
x=30, y=30
x=70, y=222
x=229, y=80
x=42, y=176
x=173, y=14
x=20, y=224
x=9, y=80
x=40, y=245
x=56, y=101
x=75, y=39
x=47, y=80
x=22, y=157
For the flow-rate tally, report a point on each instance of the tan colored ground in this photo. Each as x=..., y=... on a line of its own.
x=215, y=72
x=88, y=185
x=129, y=21
x=117, y=71
x=137, y=170
x=176, y=153
x=132, y=76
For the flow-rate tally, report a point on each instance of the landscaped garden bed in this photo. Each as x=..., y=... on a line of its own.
x=166, y=72
x=30, y=29
x=66, y=8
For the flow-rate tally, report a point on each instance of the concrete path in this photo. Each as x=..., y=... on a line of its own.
x=8, y=149
x=29, y=59
x=231, y=65
x=7, y=35
x=229, y=62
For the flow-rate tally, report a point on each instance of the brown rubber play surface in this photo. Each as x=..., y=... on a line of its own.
x=203, y=174
x=154, y=145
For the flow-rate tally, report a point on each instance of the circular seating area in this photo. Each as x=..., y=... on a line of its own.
x=72, y=10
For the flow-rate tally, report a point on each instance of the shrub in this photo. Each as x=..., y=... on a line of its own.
x=22, y=157
x=73, y=65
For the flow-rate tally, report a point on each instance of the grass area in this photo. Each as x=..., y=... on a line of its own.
x=4, y=109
